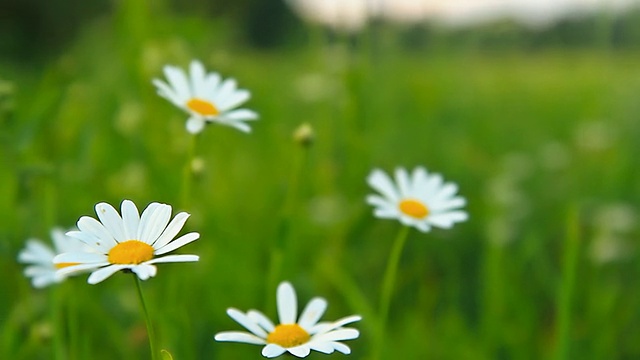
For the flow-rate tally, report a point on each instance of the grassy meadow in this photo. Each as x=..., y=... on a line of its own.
x=543, y=145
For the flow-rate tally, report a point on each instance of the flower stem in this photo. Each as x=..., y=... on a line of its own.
x=387, y=287
x=565, y=292
x=187, y=174
x=147, y=319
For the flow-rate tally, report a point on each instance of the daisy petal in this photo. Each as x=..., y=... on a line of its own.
x=238, y=336
x=173, y=258
x=272, y=350
x=383, y=184
x=103, y=273
x=195, y=124
x=261, y=320
x=312, y=313
x=130, y=219
x=287, y=303
x=245, y=321
x=172, y=230
x=111, y=220
x=153, y=221
x=179, y=242
x=300, y=351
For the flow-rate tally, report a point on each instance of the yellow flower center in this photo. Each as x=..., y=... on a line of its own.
x=413, y=208
x=202, y=107
x=64, y=265
x=130, y=252
x=288, y=335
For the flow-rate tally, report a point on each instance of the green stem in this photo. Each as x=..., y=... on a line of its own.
x=388, y=283
x=281, y=249
x=565, y=293
x=187, y=172
x=59, y=325
x=147, y=319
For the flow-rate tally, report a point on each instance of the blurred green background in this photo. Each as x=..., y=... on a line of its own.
x=539, y=127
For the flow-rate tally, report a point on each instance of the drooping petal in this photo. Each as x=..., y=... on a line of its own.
x=103, y=273
x=300, y=350
x=272, y=350
x=195, y=124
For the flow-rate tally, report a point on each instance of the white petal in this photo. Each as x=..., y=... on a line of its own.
x=111, y=220
x=144, y=271
x=211, y=85
x=76, y=269
x=402, y=180
x=446, y=220
x=240, y=114
x=173, y=258
x=172, y=230
x=382, y=183
x=234, y=100
x=321, y=346
x=225, y=90
x=130, y=219
x=102, y=239
x=167, y=92
x=36, y=252
x=312, y=313
x=198, y=78
x=341, y=347
x=238, y=336
x=103, y=273
x=91, y=241
x=178, y=80
x=449, y=204
x=300, y=351
x=272, y=350
x=287, y=303
x=80, y=257
x=423, y=226
x=153, y=221
x=179, y=242
x=328, y=326
x=338, y=335
x=195, y=124
x=233, y=123
x=245, y=321
x=261, y=320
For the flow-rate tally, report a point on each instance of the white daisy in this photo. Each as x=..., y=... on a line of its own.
x=39, y=257
x=130, y=242
x=421, y=199
x=206, y=97
x=298, y=338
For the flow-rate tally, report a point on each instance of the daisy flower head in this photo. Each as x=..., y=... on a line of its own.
x=420, y=199
x=39, y=258
x=129, y=242
x=206, y=97
x=296, y=337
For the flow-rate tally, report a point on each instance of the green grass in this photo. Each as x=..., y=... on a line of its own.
x=530, y=138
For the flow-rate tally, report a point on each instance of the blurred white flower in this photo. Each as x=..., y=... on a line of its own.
x=296, y=337
x=130, y=242
x=421, y=200
x=39, y=258
x=205, y=97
